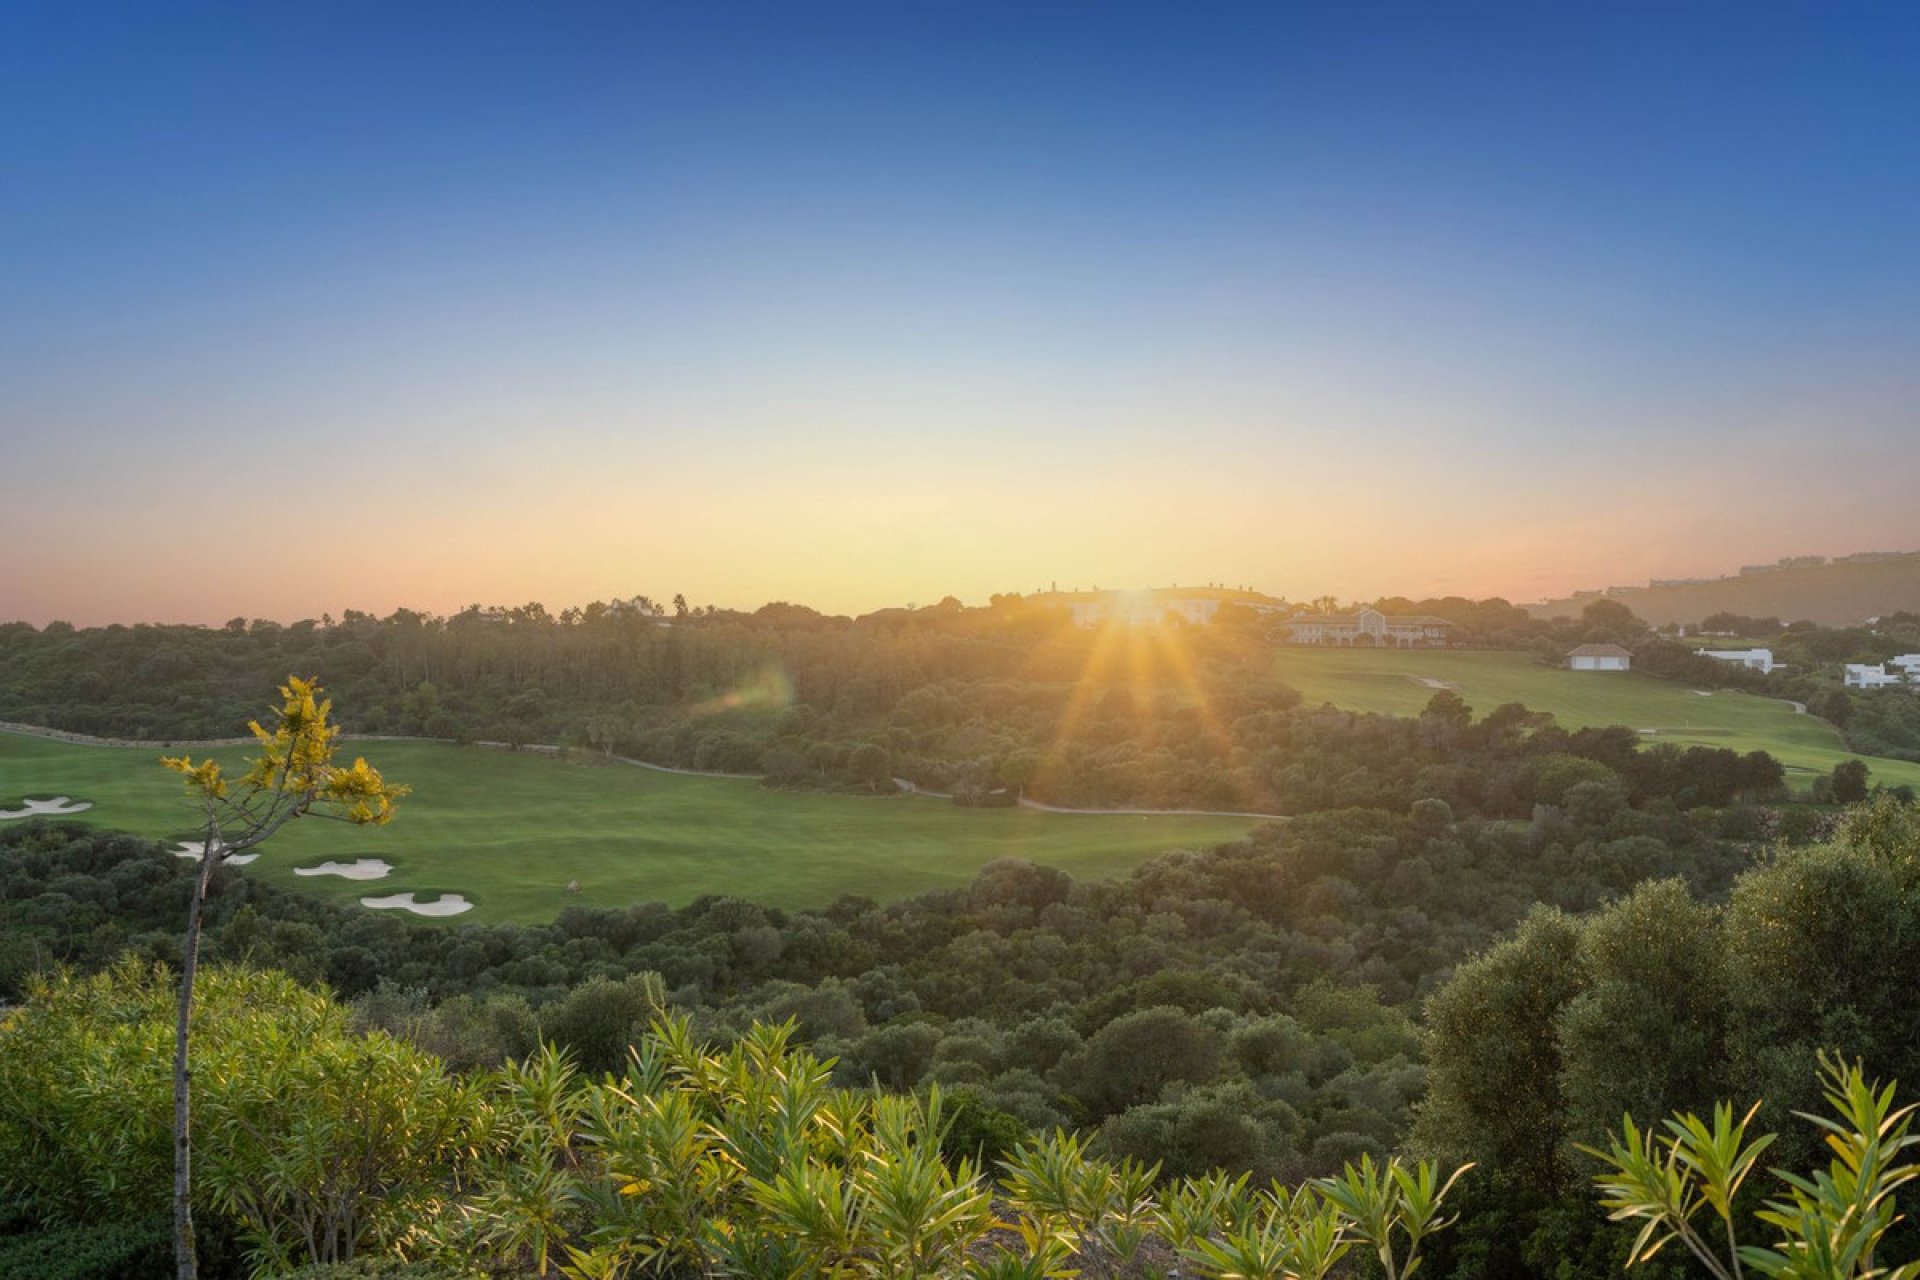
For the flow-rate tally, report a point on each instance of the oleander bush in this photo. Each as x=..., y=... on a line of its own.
x=333, y=1153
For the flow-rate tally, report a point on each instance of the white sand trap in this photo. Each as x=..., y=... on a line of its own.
x=1701, y=693
x=358, y=869
x=1431, y=683
x=194, y=848
x=55, y=807
x=450, y=904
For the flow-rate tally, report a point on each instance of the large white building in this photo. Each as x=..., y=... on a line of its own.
x=1760, y=660
x=1860, y=675
x=1369, y=628
x=1600, y=657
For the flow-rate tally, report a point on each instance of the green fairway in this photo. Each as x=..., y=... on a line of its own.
x=510, y=829
x=1391, y=682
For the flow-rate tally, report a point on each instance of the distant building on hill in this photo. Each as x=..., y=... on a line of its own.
x=1369, y=628
x=1784, y=562
x=1760, y=660
x=1600, y=657
x=1196, y=605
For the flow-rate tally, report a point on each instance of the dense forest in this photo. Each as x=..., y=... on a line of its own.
x=1480, y=940
x=1255, y=1007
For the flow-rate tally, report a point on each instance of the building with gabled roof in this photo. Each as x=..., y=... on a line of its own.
x=1600, y=657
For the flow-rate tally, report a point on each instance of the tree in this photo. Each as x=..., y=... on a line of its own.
x=293, y=775
x=1850, y=782
x=1020, y=769
x=871, y=763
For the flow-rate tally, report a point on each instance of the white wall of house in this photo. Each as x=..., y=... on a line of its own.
x=1760, y=660
x=1861, y=676
x=1607, y=663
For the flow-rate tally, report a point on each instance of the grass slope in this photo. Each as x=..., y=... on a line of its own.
x=509, y=830
x=1389, y=682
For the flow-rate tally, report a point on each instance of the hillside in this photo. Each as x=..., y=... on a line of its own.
x=1841, y=593
x=1400, y=682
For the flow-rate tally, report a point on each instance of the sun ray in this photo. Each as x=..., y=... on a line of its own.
x=1105, y=641
x=1173, y=647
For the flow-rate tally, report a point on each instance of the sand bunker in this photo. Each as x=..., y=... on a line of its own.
x=450, y=904
x=358, y=869
x=1432, y=683
x=58, y=806
x=194, y=848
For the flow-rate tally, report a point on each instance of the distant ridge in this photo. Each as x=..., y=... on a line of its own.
x=1842, y=592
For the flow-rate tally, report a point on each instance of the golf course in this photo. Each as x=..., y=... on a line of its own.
x=1400, y=682
x=511, y=830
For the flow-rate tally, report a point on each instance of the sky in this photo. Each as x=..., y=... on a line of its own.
x=314, y=307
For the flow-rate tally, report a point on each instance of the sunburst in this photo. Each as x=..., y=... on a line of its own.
x=1144, y=653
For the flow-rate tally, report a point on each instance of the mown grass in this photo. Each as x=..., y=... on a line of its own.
x=511, y=829
x=1389, y=682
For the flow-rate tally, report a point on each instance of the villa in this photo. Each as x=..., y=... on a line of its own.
x=1369, y=628
x=1760, y=660
x=1861, y=675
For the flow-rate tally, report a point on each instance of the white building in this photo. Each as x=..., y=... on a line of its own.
x=1861, y=676
x=1909, y=664
x=1760, y=660
x=1600, y=657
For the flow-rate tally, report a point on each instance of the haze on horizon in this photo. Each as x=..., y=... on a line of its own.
x=358, y=306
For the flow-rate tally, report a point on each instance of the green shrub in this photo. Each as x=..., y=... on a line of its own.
x=131, y=1247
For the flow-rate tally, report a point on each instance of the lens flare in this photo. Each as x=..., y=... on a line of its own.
x=768, y=689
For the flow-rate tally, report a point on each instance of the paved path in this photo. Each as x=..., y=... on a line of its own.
x=684, y=773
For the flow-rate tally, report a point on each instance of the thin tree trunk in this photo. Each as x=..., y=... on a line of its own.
x=186, y=1260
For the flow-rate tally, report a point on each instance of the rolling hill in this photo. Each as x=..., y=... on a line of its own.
x=1840, y=593
x=1399, y=682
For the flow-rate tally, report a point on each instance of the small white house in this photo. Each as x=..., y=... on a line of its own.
x=1600, y=657
x=1760, y=660
x=1861, y=676
x=1909, y=664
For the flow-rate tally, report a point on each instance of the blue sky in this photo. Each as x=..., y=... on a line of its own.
x=860, y=304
